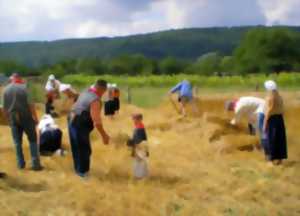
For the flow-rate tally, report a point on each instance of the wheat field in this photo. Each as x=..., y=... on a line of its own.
x=198, y=166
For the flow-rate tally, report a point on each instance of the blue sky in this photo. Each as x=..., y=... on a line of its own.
x=56, y=19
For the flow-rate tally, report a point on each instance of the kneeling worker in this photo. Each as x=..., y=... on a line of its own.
x=50, y=136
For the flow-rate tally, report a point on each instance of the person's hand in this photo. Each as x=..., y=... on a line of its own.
x=105, y=138
x=233, y=122
x=264, y=128
x=36, y=120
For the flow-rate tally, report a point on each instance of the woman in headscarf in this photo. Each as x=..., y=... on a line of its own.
x=274, y=125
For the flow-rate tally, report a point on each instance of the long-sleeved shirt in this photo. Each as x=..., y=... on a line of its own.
x=248, y=107
x=183, y=88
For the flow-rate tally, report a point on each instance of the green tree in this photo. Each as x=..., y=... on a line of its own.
x=206, y=64
x=267, y=50
x=8, y=67
x=227, y=64
x=171, y=65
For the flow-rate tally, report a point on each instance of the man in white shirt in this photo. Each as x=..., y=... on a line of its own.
x=251, y=108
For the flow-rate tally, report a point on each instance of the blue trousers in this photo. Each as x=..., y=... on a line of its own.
x=81, y=148
x=262, y=133
x=18, y=127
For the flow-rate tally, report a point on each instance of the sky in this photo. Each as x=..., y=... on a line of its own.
x=23, y=20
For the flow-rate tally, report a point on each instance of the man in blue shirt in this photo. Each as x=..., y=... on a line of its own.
x=185, y=95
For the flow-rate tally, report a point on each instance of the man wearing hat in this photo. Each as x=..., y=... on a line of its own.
x=85, y=115
x=22, y=117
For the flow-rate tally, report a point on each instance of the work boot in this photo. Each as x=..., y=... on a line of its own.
x=2, y=175
x=37, y=168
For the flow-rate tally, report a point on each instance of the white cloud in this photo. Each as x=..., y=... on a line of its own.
x=281, y=12
x=48, y=20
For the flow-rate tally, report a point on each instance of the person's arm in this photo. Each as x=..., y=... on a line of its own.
x=33, y=113
x=176, y=88
x=269, y=107
x=238, y=112
x=4, y=106
x=95, y=115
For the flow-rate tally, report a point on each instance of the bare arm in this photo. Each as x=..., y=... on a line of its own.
x=95, y=115
x=269, y=107
x=237, y=115
x=33, y=113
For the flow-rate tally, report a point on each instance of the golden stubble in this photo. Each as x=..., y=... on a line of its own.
x=199, y=165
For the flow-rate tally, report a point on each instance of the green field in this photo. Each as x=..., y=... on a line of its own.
x=285, y=80
x=149, y=91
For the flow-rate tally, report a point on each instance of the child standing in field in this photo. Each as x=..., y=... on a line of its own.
x=139, y=146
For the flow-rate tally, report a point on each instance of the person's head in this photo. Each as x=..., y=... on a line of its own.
x=137, y=118
x=100, y=86
x=270, y=86
x=16, y=78
x=229, y=105
x=51, y=77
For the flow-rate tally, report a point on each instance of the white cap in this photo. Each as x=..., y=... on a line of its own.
x=51, y=77
x=270, y=85
x=109, y=85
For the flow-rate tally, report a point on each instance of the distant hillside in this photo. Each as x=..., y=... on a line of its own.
x=184, y=43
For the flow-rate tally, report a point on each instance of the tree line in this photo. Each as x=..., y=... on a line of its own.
x=262, y=50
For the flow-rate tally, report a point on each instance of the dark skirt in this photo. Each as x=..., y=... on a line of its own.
x=117, y=104
x=50, y=141
x=276, y=143
x=109, y=108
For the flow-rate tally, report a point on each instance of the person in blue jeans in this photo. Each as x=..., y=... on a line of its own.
x=22, y=118
x=83, y=118
x=252, y=109
x=184, y=90
x=263, y=134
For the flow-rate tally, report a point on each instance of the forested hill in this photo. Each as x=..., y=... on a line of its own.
x=184, y=43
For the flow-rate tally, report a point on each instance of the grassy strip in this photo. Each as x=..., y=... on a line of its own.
x=285, y=80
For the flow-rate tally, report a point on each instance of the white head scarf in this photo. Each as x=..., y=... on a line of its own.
x=270, y=85
x=51, y=77
x=109, y=85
